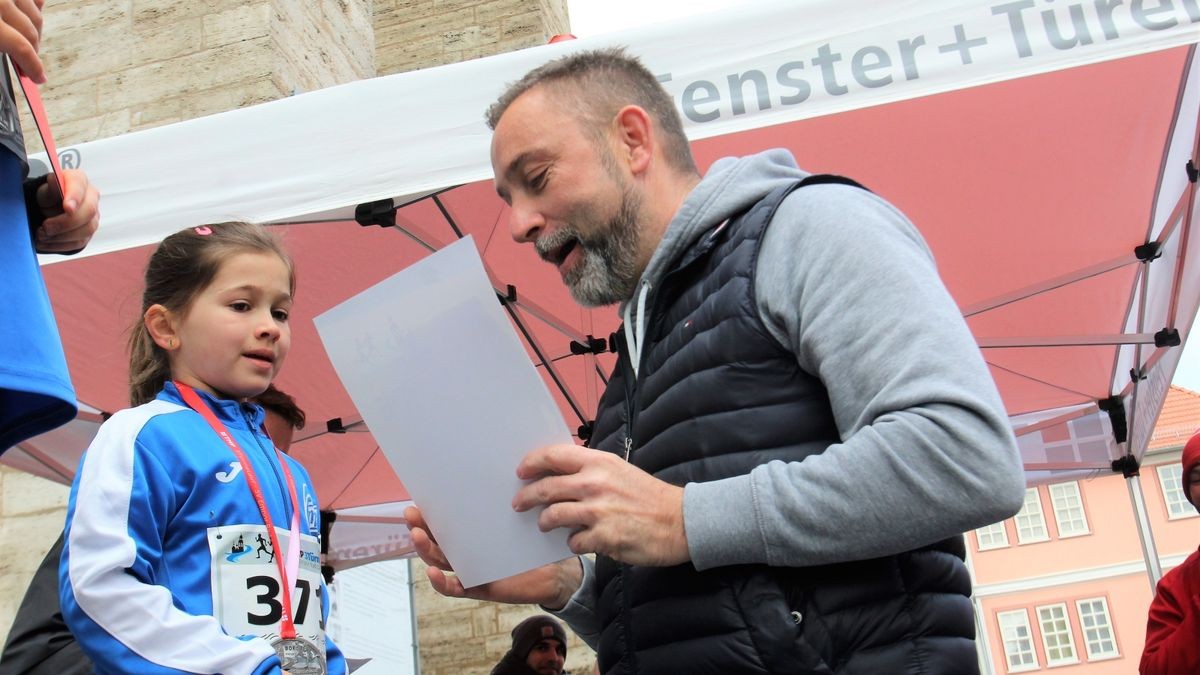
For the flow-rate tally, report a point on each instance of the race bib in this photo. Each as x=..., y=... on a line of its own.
x=247, y=595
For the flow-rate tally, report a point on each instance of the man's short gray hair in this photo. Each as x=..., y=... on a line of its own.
x=598, y=83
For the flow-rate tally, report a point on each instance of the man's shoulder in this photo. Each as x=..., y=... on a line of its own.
x=836, y=213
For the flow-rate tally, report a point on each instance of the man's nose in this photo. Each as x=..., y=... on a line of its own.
x=525, y=224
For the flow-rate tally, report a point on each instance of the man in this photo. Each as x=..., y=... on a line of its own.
x=1173, y=625
x=539, y=647
x=39, y=641
x=800, y=425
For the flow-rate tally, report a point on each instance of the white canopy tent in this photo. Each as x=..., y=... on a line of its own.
x=1046, y=152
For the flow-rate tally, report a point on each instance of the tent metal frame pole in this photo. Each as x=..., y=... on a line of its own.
x=546, y=317
x=508, y=303
x=1065, y=340
x=983, y=643
x=1145, y=534
x=1189, y=200
x=1047, y=285
x=48, y=462
x=412, y=617
x=547, y=363
x=533, y=309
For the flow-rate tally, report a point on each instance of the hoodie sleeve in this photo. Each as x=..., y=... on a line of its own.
x=846, y=283
x=1173, y=624
x=580, y=611
x=123, y=617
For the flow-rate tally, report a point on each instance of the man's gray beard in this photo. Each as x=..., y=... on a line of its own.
x=607, y=269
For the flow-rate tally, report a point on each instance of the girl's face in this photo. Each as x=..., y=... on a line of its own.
x=233, y=338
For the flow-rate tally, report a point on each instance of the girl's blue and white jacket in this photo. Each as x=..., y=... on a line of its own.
x=136, y=576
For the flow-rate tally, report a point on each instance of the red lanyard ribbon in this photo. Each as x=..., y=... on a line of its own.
x=287, y=628
x=38, y=109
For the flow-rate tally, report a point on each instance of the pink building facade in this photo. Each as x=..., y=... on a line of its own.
x=1063, y=585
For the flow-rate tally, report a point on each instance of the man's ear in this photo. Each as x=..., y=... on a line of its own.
x=161, y=324
x=635, y=134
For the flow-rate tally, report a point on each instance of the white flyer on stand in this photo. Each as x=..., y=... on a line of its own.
x=445, y=386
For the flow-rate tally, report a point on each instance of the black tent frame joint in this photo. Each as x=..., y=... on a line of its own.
x=381, y=213
x=335, y=426
x=1167, y=337
x=585, y=430
x=1137, y=374
x=594, y=345
x=1116, y=417
x=509, y=296
x=1151, y=250
x=1127, y=466
x=1193, y=173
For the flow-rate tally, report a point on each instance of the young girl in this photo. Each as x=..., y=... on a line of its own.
x=191, y=541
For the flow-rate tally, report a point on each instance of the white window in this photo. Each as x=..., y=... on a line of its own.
x=1018, y=640
x=1068, y=509
x=1170, y=479
x=1098, y=637
x=1031, y=524
x=992, y=536
x=1056, y=635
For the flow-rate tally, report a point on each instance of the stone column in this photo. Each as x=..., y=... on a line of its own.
x=413, y=34
x=121, y=65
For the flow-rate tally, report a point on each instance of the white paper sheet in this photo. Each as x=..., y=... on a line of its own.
x=434, y=367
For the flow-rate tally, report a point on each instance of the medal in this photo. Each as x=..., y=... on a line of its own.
x=299, y=656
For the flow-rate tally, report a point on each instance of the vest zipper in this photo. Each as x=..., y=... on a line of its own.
x=632, y=370
x=623, y=361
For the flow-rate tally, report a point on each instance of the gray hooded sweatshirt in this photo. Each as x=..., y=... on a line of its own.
x=847, y=284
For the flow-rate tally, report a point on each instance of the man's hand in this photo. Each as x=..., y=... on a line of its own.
x=21, y=35
x=550, y=585
x=613, y=507
x=69, y=222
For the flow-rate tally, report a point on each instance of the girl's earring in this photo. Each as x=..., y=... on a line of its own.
x=170, y=343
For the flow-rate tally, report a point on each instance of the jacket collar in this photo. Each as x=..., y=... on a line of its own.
x=233, y=413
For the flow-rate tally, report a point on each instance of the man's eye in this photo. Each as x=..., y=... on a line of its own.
x=538, y=182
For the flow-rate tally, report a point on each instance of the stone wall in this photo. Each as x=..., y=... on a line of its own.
x=116, y=66
x=31, y=516
x=413, y=34
x=121, y=65
x=466, y=637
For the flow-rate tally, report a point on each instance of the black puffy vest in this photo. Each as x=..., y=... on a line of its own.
x=717, y=396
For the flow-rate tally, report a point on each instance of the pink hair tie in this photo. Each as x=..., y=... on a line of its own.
x=203, y=230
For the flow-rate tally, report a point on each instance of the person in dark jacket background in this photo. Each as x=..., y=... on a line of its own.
x=800, y=425
x=1173, y=624
x=539, y=647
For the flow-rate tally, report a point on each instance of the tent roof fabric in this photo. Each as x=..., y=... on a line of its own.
x=1033, y=165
